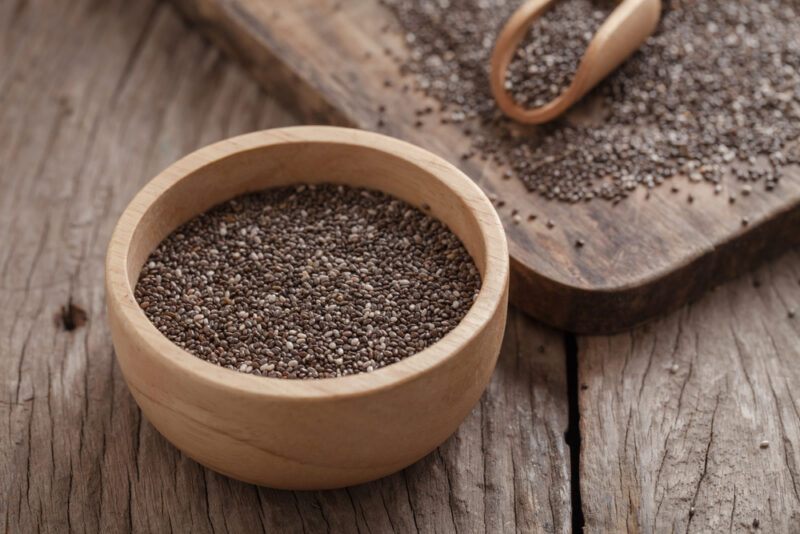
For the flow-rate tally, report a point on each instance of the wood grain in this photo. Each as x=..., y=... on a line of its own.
x=643, y=257
x=96, y=97
x=673, y=415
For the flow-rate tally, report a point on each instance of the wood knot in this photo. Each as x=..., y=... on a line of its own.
x=72, y=317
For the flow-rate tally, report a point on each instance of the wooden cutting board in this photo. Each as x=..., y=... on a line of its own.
x=642, y=257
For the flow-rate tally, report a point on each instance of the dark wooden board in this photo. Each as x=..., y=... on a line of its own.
x=642, y=257
x=673, y=415
x=95, y=98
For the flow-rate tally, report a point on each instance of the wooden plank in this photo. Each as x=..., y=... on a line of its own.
x=95, y=98
x=673, y=415
x=641, y=258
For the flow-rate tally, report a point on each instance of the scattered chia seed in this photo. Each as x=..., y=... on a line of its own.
x=308, y=282
x=687, y=104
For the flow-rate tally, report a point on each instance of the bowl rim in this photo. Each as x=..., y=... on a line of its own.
x=492, y=295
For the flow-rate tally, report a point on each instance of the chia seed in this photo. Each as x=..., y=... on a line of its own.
x=308, y=282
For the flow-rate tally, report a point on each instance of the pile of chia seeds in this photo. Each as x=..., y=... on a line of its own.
x=308, y=282
x=544, y=65
x=713, y=96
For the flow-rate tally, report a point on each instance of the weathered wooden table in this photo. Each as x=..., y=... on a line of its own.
x=689, y=423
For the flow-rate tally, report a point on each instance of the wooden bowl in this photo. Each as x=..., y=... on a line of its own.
x=307, y=434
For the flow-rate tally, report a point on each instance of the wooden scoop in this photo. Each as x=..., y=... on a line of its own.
x=625, y=29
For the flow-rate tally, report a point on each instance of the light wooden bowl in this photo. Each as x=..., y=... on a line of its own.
x=310, y=434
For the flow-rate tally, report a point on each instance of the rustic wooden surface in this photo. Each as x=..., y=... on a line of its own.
x=81, y=80
x=642, y=256
x=673, y=415
x=95, y=98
